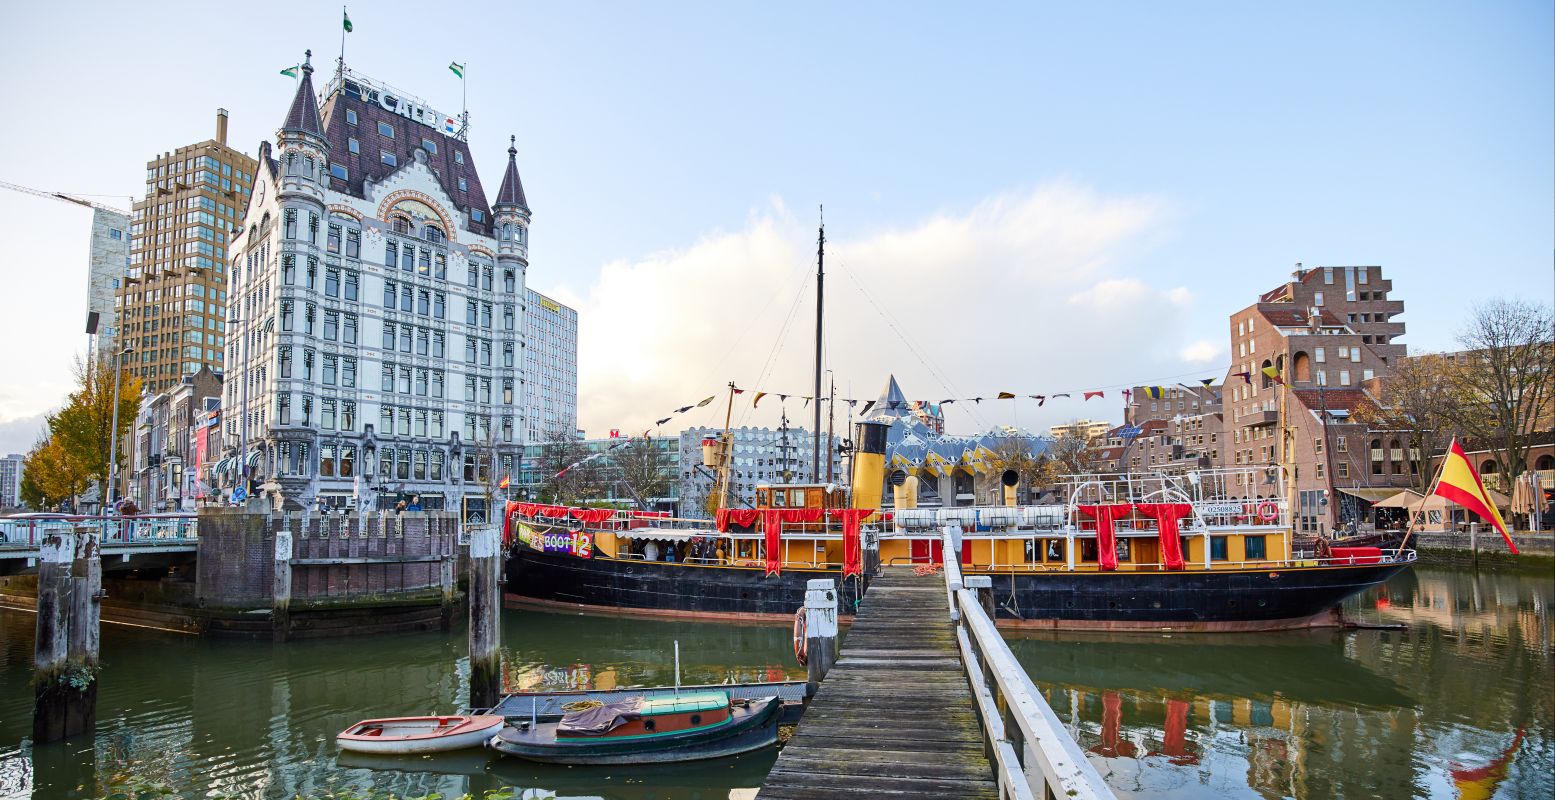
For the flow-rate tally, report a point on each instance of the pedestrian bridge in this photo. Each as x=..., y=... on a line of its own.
x=21, y=536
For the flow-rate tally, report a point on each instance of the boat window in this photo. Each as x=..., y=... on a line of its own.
x=1217, y=548
x=796, y=498
x=1055, y=549
x=649, y=725
x=1254, y=547
x=696, y=719
x=778, y=498
x=1088, y=550
x=1125, y=549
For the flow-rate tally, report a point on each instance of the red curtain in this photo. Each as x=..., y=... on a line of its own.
x=744, y=517
x=554, y=511
x=1106, y=517
x=852, y=550
x=507, y=521
x=1166, y=516
x=527, y=509
x=772, y=526
x=592, y=516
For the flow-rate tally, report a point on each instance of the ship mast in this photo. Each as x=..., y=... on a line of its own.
x=820, y=305
x=725, y=451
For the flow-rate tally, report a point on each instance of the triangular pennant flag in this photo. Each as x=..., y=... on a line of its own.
x=946, y=402
x=977, y=400
x=1065, y=394
x=782, y=398
x=1089, y=395
x=867, y=407
x=662, y=421
x=291, y=72
x=1247, y=377
x=1273, y=373
x=1127, y=393
x=708, y=400
x=1006, y=395
x=757, y=400
x=806, y=403
x=1040, y=398
x=346, y=21
x=682, y=409
x=1207, y=381
x=739, y=391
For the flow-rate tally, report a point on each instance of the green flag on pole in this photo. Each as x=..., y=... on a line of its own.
x=458, y=69
x=347, y=20
x=291, y=72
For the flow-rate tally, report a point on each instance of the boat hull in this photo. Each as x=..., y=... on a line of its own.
x=471, y=734
x=749, y=727
x=1189, y=600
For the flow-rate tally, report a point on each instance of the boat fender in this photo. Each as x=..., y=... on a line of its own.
x=801, y=646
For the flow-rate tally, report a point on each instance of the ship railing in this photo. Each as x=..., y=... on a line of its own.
x=1034, y=755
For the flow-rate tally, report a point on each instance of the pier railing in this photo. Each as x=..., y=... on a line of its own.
x=1034, y=755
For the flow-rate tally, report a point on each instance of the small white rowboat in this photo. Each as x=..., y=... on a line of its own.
x=403, y=735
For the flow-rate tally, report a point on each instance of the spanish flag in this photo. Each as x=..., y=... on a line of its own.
x=1461, y=484
x=505, y=481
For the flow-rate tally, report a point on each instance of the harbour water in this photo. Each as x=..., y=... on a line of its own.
x=1459, y=704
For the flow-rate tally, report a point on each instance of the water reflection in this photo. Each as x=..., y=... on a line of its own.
x=255, y=720
x=1458, y=704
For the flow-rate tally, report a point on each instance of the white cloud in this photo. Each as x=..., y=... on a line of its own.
x=1026, y=292
x=1203, y=351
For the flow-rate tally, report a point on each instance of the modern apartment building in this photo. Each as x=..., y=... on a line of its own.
x=761, y=456
x=550, y=378
x=1083, y=428
x=377, y=302
x=173, y=302
x=108, y=258
x=11, y=480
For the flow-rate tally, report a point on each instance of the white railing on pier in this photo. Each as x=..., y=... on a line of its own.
x=1034, y=755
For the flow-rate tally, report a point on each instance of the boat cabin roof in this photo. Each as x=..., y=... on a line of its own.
x=699, y=701
x=800, y=495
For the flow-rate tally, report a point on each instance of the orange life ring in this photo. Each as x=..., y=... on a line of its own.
x=801, y=646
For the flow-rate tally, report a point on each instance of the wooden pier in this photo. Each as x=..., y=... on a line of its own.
x=895, y=715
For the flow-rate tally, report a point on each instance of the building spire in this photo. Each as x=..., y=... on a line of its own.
x=512, y=191
x=304, y=113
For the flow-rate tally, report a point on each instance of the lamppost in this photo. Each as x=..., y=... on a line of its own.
x=113, y=431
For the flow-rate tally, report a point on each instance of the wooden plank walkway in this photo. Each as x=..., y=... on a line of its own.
x=894, y=717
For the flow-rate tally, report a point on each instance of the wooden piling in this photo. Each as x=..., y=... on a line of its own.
x=485, y=618
x=67, y=639
x=982, y=586
x=280, y=604
x=820, y=608
x=1474, y=544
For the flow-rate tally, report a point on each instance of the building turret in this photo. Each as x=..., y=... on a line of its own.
x=511, y=211
x=302, y=148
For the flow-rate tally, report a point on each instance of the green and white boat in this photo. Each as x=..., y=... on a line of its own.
x=639, y=730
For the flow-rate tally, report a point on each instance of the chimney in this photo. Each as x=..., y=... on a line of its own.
x=221, y=126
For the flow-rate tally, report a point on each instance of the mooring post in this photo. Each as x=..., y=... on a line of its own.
x=820, y=616
x=280, y=604
x=1474, y=544
x=64, y=680
x=982, y=586
x=485, y=618
x=86, y=597
x=445, y=576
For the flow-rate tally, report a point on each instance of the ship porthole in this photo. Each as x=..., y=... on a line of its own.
x=696, y=719
x=648, y=725
x=1156, y=604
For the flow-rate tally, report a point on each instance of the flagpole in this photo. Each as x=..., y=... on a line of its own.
x=340, y=63
x=1409, y=529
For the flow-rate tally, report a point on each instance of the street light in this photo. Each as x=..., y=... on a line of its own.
x=113, y=432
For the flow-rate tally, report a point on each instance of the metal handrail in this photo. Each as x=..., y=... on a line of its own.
x=1034, y=755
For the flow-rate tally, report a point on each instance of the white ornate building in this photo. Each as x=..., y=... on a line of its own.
x=376, y=341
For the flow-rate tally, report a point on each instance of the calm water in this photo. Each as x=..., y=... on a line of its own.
x=1458, y=705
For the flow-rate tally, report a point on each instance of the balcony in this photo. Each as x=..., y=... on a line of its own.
x=1258, y=419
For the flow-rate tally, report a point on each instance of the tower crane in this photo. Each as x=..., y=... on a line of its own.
x=62, y=197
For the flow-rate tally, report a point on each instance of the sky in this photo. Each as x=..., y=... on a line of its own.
x=1026, y=197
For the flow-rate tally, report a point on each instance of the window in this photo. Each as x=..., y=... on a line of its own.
x=429, y=145
x=332, y=239
x=347, y=423
x=507, y=354
x=332, y=282
x=286, y=362
x=1253, y=547
x=327, y=451
x=469, y=389
x=404, y=383
x=289, y=223
x=437, y=384
x=424, y=264
x=1342, y=469
x=423, y=302
x=286, y=315
x=348, y=372
x=440, y=270
x=331, y=325
x=470, y=312
x=508, y=281
x=485, y=315
x=458, y=157
x=388, y=158
x=353, y=243
x=353, y=282
x=507, y=316
x=439, y=305
x=422, y=341
x=391, y=254
x=437, y=345
x=1318, y=355
x=389, y=292
x=405, y=298
x=421, y=386
x=340, y=172
x=353, y=145
x=388, y=336
x=1317, y=298
x=463, y=186
x=404, y=338
x=288, y=269
x=386, y=130
x=475, y=214
x=1217, y=548
x=485, y=353
x=408, y=258
x=469, y=350
x=350, y=117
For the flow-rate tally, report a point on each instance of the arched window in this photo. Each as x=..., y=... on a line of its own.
x=400, y=224
x=507, y=232
x=1544, y=463
x=1268, y=382
x=1396, y=456
x=1488, y=467
x=1376, y=457
x=432, y=233
x=1301, y=367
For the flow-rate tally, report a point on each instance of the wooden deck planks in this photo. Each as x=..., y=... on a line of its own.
x=894, y=717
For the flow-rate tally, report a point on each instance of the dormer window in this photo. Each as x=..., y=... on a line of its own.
x=476, y=214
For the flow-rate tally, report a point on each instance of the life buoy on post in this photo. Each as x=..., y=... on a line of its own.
x=801, y=647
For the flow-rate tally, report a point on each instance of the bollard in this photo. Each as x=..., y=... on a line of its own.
x=280, y=608
x=66, y=642
x=982, y=586
x=820, y=610
x=485, y=618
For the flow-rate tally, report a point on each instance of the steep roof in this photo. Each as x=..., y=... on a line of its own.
x=448, y=157
x=511, y=193
x=304, y=113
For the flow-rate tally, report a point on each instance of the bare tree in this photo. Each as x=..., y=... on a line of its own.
x=1016, y=453
x=645, y=469
x=1069, y=453
x=1412, y=401
x=1505, y=382
x=569, y=476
